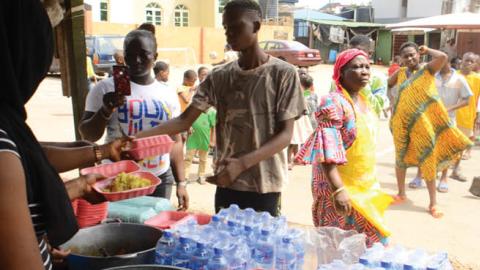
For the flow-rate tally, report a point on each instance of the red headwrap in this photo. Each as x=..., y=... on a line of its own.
x=344, y=58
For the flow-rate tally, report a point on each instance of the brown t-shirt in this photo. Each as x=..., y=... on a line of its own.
x=250, y=105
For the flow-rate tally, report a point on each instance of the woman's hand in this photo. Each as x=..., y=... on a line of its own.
x=82, y=187
x=58, y=255
x=116, y=150
x=423, y=50
x=342, y=202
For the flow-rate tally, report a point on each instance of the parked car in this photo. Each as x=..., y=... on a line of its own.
x=101, y=49
x=292, y=52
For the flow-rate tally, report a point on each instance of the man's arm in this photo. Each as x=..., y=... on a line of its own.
x=175, y=126
x=176, y=156
x=461, y=103
x=92, y=126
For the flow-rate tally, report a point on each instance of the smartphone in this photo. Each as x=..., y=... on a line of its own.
x=121, y=80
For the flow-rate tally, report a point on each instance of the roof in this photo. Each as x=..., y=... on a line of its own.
x=306, y=14
x=347, y=23
x=465, y=20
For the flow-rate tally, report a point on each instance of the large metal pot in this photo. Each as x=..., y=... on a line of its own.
x=110, y=245
x=147, y=267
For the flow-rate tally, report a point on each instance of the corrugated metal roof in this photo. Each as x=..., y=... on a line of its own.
x=306, y=14
x=347, y=23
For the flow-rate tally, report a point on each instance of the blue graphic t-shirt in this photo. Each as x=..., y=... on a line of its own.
x=145, y=108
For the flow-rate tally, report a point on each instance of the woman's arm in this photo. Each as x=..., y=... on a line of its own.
x=438, y=59
x=342, y=199
x=21, y=245
x=68, y=158
x=392, y=80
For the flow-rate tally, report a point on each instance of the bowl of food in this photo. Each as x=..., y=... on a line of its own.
x=127, y=185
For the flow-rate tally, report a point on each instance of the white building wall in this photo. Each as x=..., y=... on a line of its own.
x=385, y=9
x=423, y=8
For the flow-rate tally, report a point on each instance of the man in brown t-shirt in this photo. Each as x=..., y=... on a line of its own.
x=257, y=98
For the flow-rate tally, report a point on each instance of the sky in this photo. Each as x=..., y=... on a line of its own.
x=315, y=4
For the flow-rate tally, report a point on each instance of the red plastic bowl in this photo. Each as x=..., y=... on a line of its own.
x=127, y=194
x=167, y=219
x=202, y=219
x=90, y=214
x=112, y=169
x=151, y=146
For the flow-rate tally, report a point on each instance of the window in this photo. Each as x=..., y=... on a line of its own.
x=104, y=11
x=153, y=14
x=181, y=16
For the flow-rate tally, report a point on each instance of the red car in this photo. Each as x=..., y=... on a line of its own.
x=292, y=52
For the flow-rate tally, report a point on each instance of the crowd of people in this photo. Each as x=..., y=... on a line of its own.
x=259, y=116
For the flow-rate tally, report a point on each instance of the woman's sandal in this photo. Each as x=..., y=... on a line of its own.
x=435, y=212
x=415, y=183
x=397, y=199
x=442, y=187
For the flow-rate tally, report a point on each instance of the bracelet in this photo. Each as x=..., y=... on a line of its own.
x=182, y=183
x=97, y=153
x=340, y=189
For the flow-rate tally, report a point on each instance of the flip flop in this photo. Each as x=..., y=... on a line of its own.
x=458, y=177
x=466, y=156
x=415, y=183
x=442, y=187
x=397, y=199
x=435, y=212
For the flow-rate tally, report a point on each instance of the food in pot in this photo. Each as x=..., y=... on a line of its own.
x=125, y=182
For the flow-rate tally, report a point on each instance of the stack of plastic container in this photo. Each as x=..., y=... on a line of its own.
x=235, y=240
x=138, y=210
x=395, y=258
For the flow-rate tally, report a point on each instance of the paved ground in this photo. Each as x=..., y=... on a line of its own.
x=458, y=232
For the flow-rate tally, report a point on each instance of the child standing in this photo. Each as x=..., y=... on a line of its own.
x=199, y=141
x=186, y=90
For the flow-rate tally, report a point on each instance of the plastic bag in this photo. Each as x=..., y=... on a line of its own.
x=332, y=243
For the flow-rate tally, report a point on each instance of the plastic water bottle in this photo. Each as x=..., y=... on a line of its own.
x=216, y=222
x=299, y=245
x=233, y=228
x=438, y=261
x=232, y=212
x=165, y=248
x=200, y=257
x=280, y=225
x=264, y=253
x=248, y=217
x=417, y=260
x=238, y=257
x=373, y=256
x=285, y=257
x=183, y=253
x=218, y=262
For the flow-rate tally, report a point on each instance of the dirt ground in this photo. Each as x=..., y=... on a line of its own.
x=458, y=233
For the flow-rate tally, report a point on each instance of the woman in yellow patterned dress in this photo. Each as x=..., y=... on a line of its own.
x=423, y=135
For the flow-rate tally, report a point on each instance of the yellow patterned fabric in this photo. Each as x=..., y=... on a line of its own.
x=466, y=115
x=359, y=175
x=423, y=135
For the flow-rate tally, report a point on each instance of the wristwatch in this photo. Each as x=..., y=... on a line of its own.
x=182, y=183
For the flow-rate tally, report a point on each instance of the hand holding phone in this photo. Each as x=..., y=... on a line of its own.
x=121, y=80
